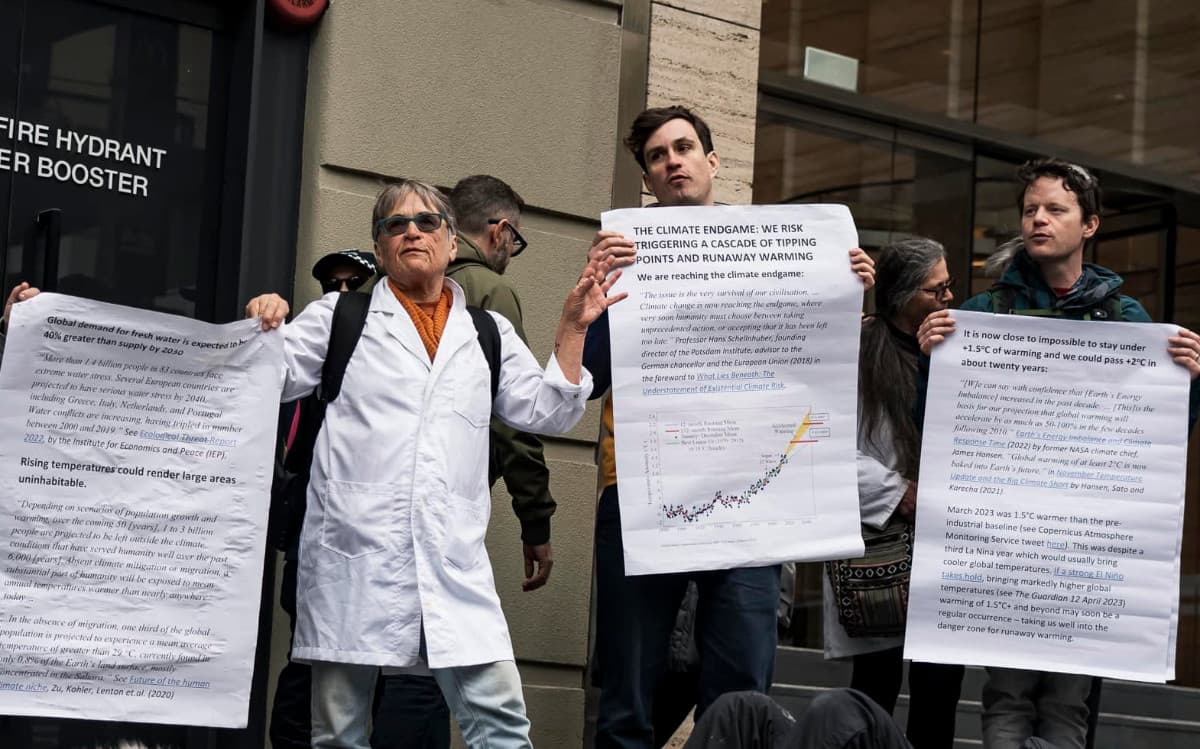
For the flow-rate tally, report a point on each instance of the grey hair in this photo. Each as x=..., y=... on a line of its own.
x=887, y=371
x=1002, y=257
x=394, y=192
x=901, y=269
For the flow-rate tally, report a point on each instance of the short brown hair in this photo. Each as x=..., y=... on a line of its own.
x=646, y=123
x=1074, y=177
x=481, y=197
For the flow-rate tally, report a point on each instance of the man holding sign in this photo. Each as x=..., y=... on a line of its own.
x=735, y=627
x=1043, y=275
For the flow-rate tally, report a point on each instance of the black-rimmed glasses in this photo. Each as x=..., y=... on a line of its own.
x=940, y=291
x=426, y=221
x=519, y=243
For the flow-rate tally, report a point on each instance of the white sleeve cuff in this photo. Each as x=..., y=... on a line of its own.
x=555, y=378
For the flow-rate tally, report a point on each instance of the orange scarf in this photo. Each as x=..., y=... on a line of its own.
x=429, y=327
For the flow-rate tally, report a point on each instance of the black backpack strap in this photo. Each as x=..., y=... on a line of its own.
x=489, y=340
x=289, y=485
x=349, y=317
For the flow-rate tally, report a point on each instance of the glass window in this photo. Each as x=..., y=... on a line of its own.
x=11, y=12
x=897, y=185
x=919, y=54
x=1112, y=78
x=1107, y=77
x=1187, y=313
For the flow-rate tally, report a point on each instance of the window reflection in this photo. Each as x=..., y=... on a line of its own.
x=896, y=186
x=1109, y=77
x=919, y=54
x=1113, y=78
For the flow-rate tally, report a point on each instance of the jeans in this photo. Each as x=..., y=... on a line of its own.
x=735, y=633
x=486, y=700
x=409, y=711
x=1020, y=704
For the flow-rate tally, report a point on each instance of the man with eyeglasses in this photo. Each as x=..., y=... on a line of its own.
x=1043, y=273
x=488, y=212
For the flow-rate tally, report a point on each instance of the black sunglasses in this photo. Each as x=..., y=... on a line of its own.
x=426, y=221
x=519, y=243
x=353, y=283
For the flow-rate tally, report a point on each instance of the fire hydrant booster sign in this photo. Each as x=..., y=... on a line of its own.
x=135, y=464
x=64, y=155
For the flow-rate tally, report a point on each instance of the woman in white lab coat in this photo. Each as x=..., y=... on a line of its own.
x=392, y=568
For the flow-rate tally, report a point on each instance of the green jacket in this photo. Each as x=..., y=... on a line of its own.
x=517, y=456
x=1030, y=292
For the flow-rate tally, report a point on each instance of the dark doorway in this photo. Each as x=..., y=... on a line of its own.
x=114, y=127
x=112, y=152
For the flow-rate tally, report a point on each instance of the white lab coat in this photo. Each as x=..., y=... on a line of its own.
x=398, y=499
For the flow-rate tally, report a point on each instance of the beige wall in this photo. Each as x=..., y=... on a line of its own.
x=704, y=55
x=527, y=90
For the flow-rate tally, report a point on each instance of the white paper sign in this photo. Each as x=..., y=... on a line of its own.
x=1050, y=502
x=134, y=481
x=734, y=386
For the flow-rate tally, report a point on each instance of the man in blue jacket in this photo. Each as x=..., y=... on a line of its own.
x=1043, y=274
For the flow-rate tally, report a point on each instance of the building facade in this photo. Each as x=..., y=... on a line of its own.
x=917, y=114
x=263, y=146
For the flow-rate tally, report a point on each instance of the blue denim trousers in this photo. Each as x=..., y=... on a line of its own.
x=735, y=633
x=486, y=700
x=409, y=711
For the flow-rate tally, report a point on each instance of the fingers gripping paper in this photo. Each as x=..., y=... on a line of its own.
x=135, y=456
x=734, y=386
x=1050, y=507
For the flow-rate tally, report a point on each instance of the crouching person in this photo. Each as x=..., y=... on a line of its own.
x=392, y=565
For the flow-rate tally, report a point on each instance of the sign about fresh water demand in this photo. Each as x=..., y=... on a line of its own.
x=135, y=465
